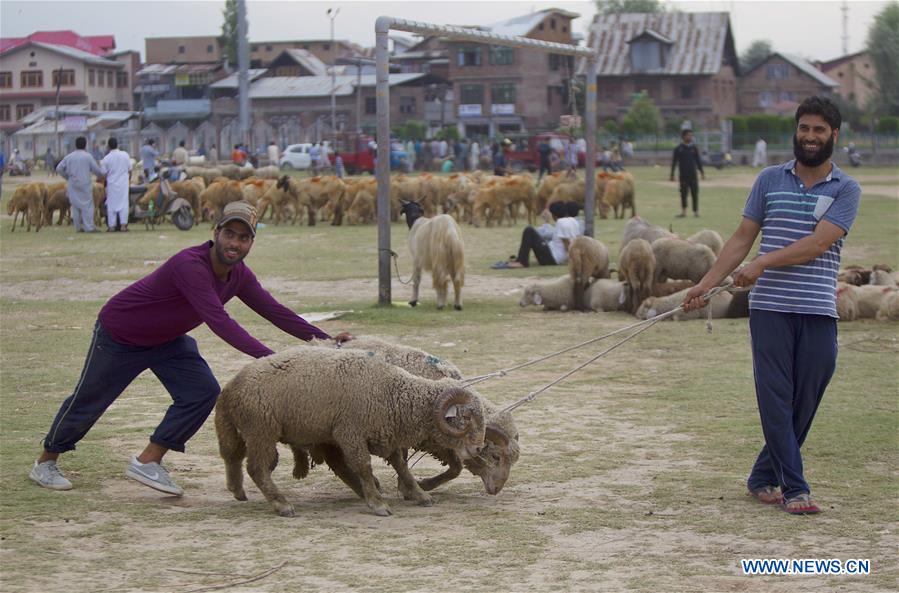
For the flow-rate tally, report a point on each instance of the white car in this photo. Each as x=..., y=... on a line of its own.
x=296, y=156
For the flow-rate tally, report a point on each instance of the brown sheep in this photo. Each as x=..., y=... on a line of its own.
x=29, y=199
x=315, y=192
x=636, y=268
x=214, y=198
x=619, y=192
x=681, y=260
x=587, y=259
x=363, y=209
x=58, y=200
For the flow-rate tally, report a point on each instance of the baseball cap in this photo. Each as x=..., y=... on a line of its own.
x=242, y=211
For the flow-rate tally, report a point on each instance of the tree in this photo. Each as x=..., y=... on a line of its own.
x=757, y=52
x=618, y=6
x=883, y=48
x=643, y=117
x=229, y=37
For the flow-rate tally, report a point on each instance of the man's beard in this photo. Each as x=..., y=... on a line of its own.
x=220, y=252
x=813, y=159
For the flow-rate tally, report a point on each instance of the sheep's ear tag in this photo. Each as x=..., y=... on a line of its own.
x=622, y=297
x=538, y=300
x=452, y=411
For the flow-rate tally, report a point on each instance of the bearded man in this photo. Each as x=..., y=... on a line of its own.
x=803, y=208
x=145, y=326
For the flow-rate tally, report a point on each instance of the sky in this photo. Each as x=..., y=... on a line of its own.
x=811, y=28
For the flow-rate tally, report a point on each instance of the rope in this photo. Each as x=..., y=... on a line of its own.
x=647, y=323
x=397, y=267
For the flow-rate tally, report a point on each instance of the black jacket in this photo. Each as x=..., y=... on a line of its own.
x=686, y=157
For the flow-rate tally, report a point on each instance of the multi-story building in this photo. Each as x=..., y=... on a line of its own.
x=685, y=61
x=855, y=75
x=31, y=72
x=777, y=85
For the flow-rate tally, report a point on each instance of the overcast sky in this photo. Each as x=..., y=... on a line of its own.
x=812, y=28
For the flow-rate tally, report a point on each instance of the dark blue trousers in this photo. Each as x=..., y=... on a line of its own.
x=111, y=366
x=793, y=359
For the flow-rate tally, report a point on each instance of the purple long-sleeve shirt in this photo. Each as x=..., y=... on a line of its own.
x=185, y=292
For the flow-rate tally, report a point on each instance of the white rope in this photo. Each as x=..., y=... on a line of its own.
x=647, y=323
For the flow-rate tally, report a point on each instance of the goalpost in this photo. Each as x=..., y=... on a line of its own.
x=382, y=171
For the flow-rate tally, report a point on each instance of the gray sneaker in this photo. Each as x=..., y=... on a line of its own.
x=47, y=474
x=153, y=475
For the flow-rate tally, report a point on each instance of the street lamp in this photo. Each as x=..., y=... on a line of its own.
x=332, y=14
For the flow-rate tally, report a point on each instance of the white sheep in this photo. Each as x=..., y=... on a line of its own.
x=870, y=297
x=710, y=239
x=639, y=228
x=681, y=260
x=553, y=294
x=636, y=267
x=889, y=307
x=846, y=301
x=607, y=295
x=306, y=397
x=416, y=361
x=881, y=277
x=720, y=303
x=436, y=246
x=587, y=259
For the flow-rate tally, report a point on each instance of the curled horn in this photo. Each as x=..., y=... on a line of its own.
x=497, y=435
x=454, y=396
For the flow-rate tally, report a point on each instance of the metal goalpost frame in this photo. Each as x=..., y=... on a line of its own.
x=382, y=171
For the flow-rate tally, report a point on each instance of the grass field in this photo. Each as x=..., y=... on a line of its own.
x=632, y=471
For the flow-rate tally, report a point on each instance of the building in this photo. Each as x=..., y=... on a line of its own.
x=29, y=73
x=506, y=90
x=855, y=75
x=685, y=61
x=779, y=83
x=99, y=45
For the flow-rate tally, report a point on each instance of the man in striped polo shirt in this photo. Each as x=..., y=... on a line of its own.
x=803, y=209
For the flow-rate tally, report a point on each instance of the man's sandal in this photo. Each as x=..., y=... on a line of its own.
x=767, y=495
x=806, y=506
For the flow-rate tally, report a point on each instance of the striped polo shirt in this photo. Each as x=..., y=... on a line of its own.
x=788, y=211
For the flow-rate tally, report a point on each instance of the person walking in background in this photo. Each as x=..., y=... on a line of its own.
x=76, y=168
x=273, y=154
x=180, y=155
x=474, y=158
x=50, y=162
x=117, y=164
x=543, y=152
x=338, y=165
x=686, y=158
x=148, y=156
x=803, y=208
x=238, y=157
x=760, y=155
x=2, y=169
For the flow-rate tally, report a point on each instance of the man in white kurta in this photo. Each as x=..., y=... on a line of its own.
x=118, y=171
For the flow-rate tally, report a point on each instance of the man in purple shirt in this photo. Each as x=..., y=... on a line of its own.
x=145, y=326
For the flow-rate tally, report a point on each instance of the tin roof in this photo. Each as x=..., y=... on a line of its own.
x=66, y=50
x=700, y=41
x=94, y=44
x=318, y=86
x=803, y=66
x=522, y=25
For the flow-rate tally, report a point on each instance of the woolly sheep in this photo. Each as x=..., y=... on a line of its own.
x=315, y=192
x=657, y=305
x=553, y=295
x=29, y=199
x=681, y=260
x=501, y=449
x=309, y=396
x=880, y=277
x=870, y=297
x=636, y=267
x=57, y=199
x=214, y=198
x=639, y=228
x=710, y=239
x=607, y=295
x=436, y=246
x=889, y=307
x=619, y=192
x=587, y=259
x=847, y=302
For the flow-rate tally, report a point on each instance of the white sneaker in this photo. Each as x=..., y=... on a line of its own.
x=153, y=475
x=47, y=474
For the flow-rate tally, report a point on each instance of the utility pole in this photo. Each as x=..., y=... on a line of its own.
x=243, y=82
x=56, y=119
x=332, y=14
x=845, y=9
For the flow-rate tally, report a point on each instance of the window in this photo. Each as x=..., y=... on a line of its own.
x=686, y=92
x=326, y=46
x=564, y=28
x=121, y=79
x=647, y=56
x=471, y=94
x=92, y=77
x=23, y=110
x=5, y=80
x=552, y=24
x=182, y=49
x=407, y=104
x=777, y=71
x=766, y=98
x=100, y=78
x=502, y=93
x=541, y=26
x=787, y=96
x=470, y=56
x=109, y=78
x=68, y=78
x=31, y=79
x=93, y=106
x=4, y=112
x=371, y=105
x=502, y=56
x=209, y=49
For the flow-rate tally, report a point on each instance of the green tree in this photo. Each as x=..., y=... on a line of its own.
x=643, y=117
x=618, y=6
x=883, y=48
x=229, y=36
x=757, y=52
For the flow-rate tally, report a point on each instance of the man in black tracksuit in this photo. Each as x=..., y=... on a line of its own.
x=686, y=158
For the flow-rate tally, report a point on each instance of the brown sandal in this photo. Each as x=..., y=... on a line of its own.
x=807, y=506
x=767, y=495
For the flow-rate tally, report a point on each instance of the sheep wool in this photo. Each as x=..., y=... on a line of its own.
x=681, y=260
x=552, y=295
